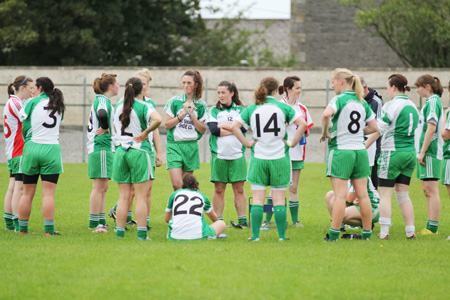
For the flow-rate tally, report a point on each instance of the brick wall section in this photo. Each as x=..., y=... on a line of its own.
x=324, y=35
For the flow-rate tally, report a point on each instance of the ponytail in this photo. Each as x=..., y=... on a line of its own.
x=357, y=87
x=133, y=87
x=18, y=82
x=400, y=82
x=55, y=95
x=287, y=83
x=102, y=83
x=434, y=83
x=352, y=80
x=266, y=87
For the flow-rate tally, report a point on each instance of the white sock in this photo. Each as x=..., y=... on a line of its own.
x=385, y=223
x=410, y=230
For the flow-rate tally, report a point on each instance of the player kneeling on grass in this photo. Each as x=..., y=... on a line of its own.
x=184, y=213
x=352, y=214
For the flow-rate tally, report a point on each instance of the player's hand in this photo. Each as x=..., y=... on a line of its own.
x=158, y=159
x=325, y=136
x=101, y=131
x=289, y=143
x=141, y=138
x=186, y=106
x=420, y=159
x=250, y=144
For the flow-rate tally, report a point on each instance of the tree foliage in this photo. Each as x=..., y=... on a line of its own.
x=127, y=33
x=417, y=30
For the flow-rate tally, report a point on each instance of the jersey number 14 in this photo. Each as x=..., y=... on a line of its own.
x=271, y=125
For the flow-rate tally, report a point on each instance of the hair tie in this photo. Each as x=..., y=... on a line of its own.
x=99, y=78
x=16, y=86
x=405, y=87
x=54, y=88
x=130, y=84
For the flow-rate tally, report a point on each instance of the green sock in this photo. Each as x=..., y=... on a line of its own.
x=293, y=208
x=432, y=226
x=115, y=206
x=257, y=216
x=102, y=219
x=242, y=219
x=23, y=225
x=366, y=234
x=343, y=227
x=129, y=217
x=16, y=223
x=9, y=221
x=120, y=232
x=93, y=220
x=280, y=219
x=49, y=226
x=334, y=233
x=220, y=218
x=148, y=221
x=142, y=233
x=269, y=214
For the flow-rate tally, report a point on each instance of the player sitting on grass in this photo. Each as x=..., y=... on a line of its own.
x=352, y=214
x=184, y=213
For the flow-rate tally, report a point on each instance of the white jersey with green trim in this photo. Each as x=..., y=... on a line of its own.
x=349, y=119
x=268, y=123
x=187, y=207
x=397, y=124
x=139, y=120
x=225, y=147
x=40, y=125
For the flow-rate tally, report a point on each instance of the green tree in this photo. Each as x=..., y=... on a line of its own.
x=95, y=32
x=417, y=30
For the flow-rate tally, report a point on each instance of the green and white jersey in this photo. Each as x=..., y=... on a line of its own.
x=150, y=102
x=187, y=208
x=446, y=149
x=397, y=124
x=225, y=147
x=139, y=119
x=349, y=119
x=40, y=125
x=268, y=123
x=371, y=190
x=431, y=112
x=104, y=141
x=185, y=130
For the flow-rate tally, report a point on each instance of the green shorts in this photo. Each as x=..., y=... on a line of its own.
x=228, y=171
x=208, y=233
x=100, y=164
x=132, y=166
x=183, y=155
x=153, y=160
x=445, y=175
x=348, y=164
x=298, y=164
x=44, y=159
x=275, y=173
x=375, y=213
x=432, y=168
x=14, y=165
x=392, y=164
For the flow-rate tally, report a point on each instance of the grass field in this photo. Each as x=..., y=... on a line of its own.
x=82, y=265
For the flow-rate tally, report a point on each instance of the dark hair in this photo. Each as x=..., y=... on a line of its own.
x=56, y=96
x=18, y=82
x=265, y=88
x=190, y=182
x=101, y=84
x=232, y=88
x=400, y=82
x=288, y=83
x=434, y=83
x=197, y=79
x=133, y=87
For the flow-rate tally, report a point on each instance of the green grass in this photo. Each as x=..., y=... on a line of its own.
x=80, y=264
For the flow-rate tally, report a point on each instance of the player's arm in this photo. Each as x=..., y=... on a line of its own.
x=236, y=129
x=167, y=216
x=218, y=129
x=431, y=129
x=102, y=116
x=157, y=142
x=446, y=132
x=171, y=122
x=199, y=125
x=371, y=139
x=371, y=127
x=156, y=121
x=212, y=215
x=326, y=117
x=301, y=128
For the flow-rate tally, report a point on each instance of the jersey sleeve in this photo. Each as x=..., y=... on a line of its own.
x=26, y=110
x=203, y=112
x=212, y=116
x=170, y=108
x=170, y=202
x=292, y=115
x=333, y=104
x=244, y=117
x=369, y=113
x=432, y=116
x=384, y=121
x=207, y=207
x=150, y=110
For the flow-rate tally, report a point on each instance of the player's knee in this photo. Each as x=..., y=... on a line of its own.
x=329, y=197
x=293, y=189
x=402, y=197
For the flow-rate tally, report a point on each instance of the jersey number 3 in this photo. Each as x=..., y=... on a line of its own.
x=192, y=211
x=52, y=116
x=271, y=125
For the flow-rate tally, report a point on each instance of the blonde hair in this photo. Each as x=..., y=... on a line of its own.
x=144, y=73
x=352, y=79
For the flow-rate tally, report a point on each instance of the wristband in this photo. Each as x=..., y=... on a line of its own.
x=178, y=117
